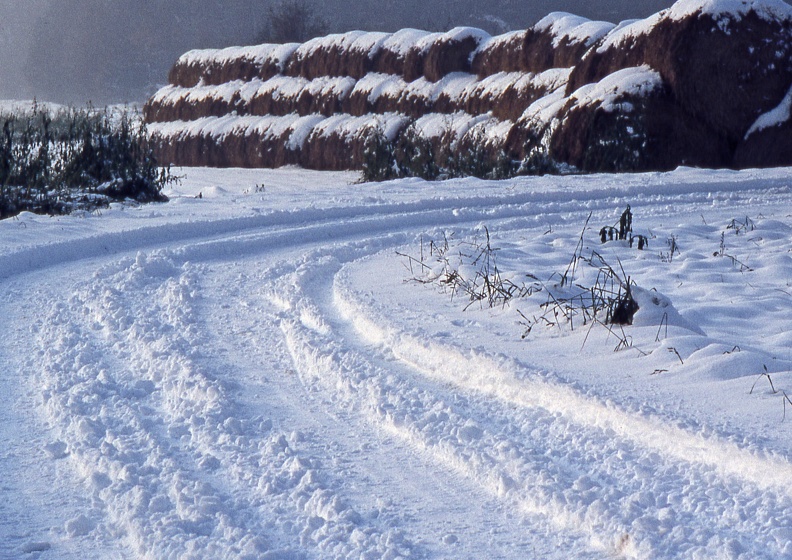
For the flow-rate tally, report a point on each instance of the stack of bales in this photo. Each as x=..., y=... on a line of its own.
x=706, y=82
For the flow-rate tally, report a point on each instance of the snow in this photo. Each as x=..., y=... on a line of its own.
x=260, y=54
x=295, y=126
x=336, y=41
x=545, y=109
x=348, y=126
x=368, y=42
x=767, y=9
x=724, y=11
x=257, y=373
x=608, y=93
x=374, y=85
x=437, y=125
x=572, y=28
x=498, y=41
x=404, y=39
x=171, y=95
x=495, y=85
x=283, y=86
x=457, y=34
x=19, y=107
x=776, y=117
x=328, y=87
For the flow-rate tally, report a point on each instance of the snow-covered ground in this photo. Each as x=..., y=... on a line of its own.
x=256, y=373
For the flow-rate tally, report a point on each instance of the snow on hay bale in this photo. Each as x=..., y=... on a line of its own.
x=375, y=93
x=217, y=66
x=276, y=96
x=768, y=142
x=341, y=54
x=390, y=58
x=725, y=61
x=437, y=55
x=508, y=94
x=338, y=142
x=233, y=141
x=174, y=103
x=443, y=96
x=325, y=95
x=445, y=131
x=283, y=95
x=628, y=121
x=556, y=41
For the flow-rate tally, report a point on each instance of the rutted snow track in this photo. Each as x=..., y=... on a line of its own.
x=246, y=388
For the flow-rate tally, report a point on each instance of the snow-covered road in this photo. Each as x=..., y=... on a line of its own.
x=248, y=375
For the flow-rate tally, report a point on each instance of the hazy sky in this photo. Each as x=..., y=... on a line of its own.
x=73, y=51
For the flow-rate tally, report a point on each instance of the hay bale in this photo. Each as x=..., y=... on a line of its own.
x=391, y=56
x=483, y=151
x=283, y=95
x=437, y=55
x=338, y=142
x=444, y=131
x=451, y=91
x=217, y=66
x=277, y=96
x=508, y=94
x=500, y=54
x=629, y=121
x=417, y=98
x=341, y=54
x=557, y=41
x=362, y=55
x=375, y=93
x=768, y=143
x=232, y=141
x=174, y=103
x=325, y=95
x=725, y=62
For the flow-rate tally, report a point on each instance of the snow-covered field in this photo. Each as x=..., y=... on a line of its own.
x=250, y=374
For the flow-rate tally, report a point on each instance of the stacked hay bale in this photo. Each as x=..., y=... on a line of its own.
x=705, y=83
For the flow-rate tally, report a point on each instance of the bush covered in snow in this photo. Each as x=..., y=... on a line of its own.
x=57, y=162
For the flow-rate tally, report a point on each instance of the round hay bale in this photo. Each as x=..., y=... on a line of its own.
x=217, y=66
x=391, y=56
x=499, y=54
x=417, y=98
x=452, y=92
x=557, y=41
x=173, y=103
x=338, y=142
x=277, y=96
x=233, y=141
x=437, y=55
x=374, y=93
x=726, y=63
x=341, y=54
x=325, y=95
x=444, y=131
x=768, y=143
x=629, y=121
